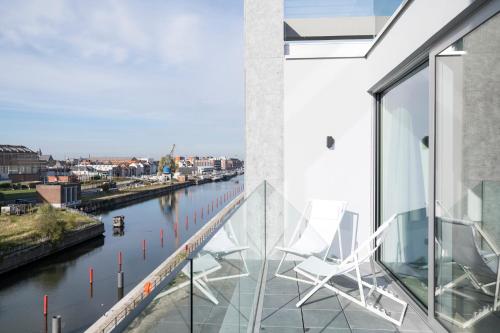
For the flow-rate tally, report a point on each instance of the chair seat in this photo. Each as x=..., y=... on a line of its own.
x=316, y=266
x=202, y=264
x=220, y=242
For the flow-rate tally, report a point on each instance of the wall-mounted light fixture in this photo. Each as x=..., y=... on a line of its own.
x=330, y=143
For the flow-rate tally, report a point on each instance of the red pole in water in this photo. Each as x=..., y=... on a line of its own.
x=194, y=217
x=144, y=245
x=212, y=206
x=91, y=275
x=120, y=261
x=45, y=305
x=187, y=222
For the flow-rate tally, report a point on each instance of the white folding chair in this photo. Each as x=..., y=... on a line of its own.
x=321, y=219
x=481, y=268
x=202, y=266
x=225, y=243
x=313, y=267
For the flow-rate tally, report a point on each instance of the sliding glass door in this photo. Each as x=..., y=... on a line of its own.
x=403, y=172
x=467, y=203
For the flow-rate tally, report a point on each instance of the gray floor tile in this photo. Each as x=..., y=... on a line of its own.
x=328, y=330
x=222, y=315
x=281, y=301
x=274, y=329
x=367, y=320
x=324, y=318
x=281, y=317
x=322, y=301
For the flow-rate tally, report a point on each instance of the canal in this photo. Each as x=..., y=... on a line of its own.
x=64, y=277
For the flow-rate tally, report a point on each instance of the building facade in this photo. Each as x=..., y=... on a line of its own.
x=19, y=164
x=60, y=195
x=413, y=110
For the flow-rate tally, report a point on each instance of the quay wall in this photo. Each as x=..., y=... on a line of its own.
x=38, y=251
x=126, y=199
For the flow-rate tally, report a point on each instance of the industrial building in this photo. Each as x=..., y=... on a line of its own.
x=19, y=164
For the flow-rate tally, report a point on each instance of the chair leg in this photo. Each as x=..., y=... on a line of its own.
x=495, y=303
x=279, y=265
x=206, y=291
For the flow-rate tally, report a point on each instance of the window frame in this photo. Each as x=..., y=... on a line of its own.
x=471, y=18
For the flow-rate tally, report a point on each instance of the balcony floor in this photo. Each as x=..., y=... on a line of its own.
x=326, y=312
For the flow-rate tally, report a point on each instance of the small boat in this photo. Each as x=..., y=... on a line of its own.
x=119, y=221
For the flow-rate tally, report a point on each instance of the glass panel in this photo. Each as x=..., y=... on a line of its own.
x=404, y=179
x=228, y=268
x=225, y=277
x=170, y=310
x=468, y=180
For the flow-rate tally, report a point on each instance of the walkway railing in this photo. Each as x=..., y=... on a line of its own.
x=139, y=297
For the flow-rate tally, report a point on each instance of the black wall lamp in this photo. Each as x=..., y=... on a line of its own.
x=330, y=142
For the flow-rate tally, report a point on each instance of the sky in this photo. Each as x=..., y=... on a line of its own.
x=334, y=8
x=122, y=78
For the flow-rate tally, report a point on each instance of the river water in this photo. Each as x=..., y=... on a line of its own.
x=64, y=277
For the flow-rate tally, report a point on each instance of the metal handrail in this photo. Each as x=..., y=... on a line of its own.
x=174, y=262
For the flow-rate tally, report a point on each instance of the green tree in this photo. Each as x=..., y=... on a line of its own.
x=48, y=224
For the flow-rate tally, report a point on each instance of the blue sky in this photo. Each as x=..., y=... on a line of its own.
x=122, y=77
x=333, y=8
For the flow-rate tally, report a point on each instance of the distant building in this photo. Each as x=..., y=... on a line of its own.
x=19, y=164
x=62, y=179
x=60, y=195
x=47, y=159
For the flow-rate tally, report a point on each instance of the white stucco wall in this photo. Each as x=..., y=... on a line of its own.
x=329, y=97
x=324, y=97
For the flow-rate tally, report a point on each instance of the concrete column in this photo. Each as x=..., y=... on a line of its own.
x=264, y=45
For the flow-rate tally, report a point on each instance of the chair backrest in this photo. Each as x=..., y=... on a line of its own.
x=463, y=249
x=370, y=245
x=325, y=217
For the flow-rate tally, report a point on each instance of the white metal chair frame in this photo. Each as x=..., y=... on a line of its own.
x=352, y=263
x=289, y=250
x=469, y=274
x=199, y=281
x=202, y=279
x=225, y=252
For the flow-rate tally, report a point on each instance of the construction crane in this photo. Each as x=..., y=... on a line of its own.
x=168, y=161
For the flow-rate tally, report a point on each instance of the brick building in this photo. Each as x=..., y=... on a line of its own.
x=60, y=195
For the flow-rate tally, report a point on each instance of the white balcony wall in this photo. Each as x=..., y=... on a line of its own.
x=325, y=97
x=330, y=97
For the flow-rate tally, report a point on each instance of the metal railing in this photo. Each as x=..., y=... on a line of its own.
x=163, y=274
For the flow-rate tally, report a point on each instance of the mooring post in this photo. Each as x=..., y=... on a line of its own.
x=91, y=275
x=56, y=324
x=120, y=279
x=45, y=305
x=120, y=261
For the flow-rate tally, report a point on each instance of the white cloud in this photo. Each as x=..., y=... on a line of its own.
x=128, y=59
x=180, y=40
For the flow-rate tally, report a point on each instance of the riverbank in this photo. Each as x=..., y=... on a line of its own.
x=126, y=197
x=28, y=229
x=45, y=247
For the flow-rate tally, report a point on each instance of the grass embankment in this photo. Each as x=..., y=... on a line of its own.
x=6, y=195
x=45, y=222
